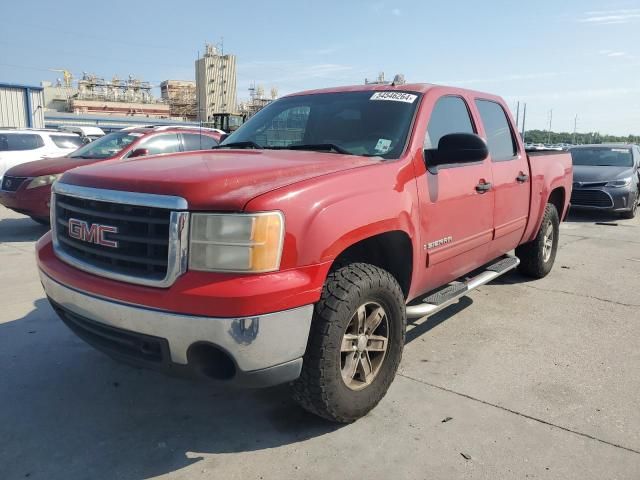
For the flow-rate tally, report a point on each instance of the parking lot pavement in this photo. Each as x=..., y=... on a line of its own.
x=541, y=379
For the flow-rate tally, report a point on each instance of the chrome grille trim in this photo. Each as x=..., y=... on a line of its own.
x=178, y=231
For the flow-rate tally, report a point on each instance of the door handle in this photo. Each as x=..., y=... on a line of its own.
x=522, y=177
x=483, y=187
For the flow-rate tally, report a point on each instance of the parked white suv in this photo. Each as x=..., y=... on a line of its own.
x=24, y=145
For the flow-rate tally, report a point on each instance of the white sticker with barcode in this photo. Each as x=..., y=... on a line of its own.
x=394, y=97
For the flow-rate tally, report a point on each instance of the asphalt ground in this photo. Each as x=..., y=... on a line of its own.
x=538, y=379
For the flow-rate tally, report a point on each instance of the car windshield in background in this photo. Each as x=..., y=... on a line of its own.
x=602, y=156
x=67, y=141
x=368, y=123
x=107, y=146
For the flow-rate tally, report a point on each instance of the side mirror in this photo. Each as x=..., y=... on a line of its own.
x=223, y=137
x=457, y=148
x=139, y=152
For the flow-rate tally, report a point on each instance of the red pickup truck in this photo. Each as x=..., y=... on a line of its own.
x=296, y=250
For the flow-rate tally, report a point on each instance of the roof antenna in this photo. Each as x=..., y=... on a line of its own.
x=398, y=80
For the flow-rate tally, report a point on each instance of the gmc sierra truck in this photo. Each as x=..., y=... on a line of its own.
x=296, y=250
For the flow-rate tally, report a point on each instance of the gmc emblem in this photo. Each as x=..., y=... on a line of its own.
x=94, y=233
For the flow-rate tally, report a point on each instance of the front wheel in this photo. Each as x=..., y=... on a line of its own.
x=537, y=256
x=355, y=344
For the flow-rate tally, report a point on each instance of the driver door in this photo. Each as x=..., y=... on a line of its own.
x=456, y=204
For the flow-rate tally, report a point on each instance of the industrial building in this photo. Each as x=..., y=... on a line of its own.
x=181, y=97
x=216, y=83
x=21, y=106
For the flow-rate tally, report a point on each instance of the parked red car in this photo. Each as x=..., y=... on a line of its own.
x=26, y=188
x=296, y=250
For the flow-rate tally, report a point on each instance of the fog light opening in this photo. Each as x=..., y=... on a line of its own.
x=211, y=361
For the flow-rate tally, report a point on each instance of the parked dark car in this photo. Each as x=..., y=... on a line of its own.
x=606, y=177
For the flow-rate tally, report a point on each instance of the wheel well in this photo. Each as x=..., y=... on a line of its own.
x=391, y=251
x=557, y=200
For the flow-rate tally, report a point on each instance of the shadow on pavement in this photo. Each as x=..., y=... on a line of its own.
x=436, y=319
x=591, y=216
x=70, y=412
x=21, y=230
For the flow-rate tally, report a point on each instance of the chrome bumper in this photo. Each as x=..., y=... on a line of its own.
x=254, y=343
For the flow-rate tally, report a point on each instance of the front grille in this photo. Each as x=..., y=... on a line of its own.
x=115, y=341
x=591, y=198
x=142, y=237
x=11, y=184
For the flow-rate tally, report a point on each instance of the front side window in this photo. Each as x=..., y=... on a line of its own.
x=193, y=141
x=366, y=123
x=12, y=142
x=602, y=156
x=108, y=146
x=500, y=141
x=450, y=115
x=166, y=143
x=67, y=141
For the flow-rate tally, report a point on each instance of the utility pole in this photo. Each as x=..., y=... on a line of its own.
x=550, y=120
x=575, y=128
x=517, y=115
x=524, y=117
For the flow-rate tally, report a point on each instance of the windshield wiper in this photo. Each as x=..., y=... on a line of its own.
x=247, y=144
x=318, y=146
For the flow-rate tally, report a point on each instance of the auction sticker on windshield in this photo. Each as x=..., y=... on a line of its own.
x=394, y=97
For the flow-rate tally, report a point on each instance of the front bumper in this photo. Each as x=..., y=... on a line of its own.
x=33, y=202
x=604, y=198
x=264, y=349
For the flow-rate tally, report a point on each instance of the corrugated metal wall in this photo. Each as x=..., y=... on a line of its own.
x=14, y=106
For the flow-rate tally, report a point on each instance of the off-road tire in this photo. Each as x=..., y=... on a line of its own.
x=631, y=213
x=531, y=254
x=320, y=388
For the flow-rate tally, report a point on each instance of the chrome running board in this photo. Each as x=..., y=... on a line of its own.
x=444, y=297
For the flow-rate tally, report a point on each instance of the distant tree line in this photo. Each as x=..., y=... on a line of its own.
x=542, y=136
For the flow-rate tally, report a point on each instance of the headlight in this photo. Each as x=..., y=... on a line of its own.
x=236, y=242
x=42, y=181
x=623, y=182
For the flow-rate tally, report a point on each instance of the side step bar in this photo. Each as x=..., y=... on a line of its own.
x=444, y=297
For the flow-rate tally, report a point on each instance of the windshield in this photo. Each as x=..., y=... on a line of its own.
x=357, y=123
x=107, y=146
x=602, y=156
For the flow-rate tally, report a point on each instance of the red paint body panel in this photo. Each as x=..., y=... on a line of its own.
x=330, y=202
x=199, y=293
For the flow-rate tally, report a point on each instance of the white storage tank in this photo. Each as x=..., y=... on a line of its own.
x=21, y=106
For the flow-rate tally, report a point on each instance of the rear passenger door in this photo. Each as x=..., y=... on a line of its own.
x=511, y=182
x=457, y=215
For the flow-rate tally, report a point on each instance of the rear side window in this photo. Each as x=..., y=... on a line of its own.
x=198, y=142
x=450, y=115
x=502, y=145
x=67, y=141
x=10, y=142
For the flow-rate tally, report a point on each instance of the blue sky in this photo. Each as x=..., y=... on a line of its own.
x=577, y=57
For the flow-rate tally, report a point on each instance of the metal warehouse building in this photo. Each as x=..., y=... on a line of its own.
x=21, y=106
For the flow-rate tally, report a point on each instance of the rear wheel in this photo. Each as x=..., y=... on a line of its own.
x=537, y=257
x=355, y=344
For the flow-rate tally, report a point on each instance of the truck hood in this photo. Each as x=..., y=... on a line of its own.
x=48, y=166
x=590, y=173
x=214, y=180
